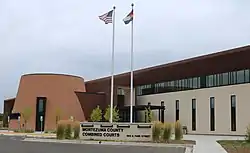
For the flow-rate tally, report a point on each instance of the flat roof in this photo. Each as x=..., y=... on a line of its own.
x=201, y=65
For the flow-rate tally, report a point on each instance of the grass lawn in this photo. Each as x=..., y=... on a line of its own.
x=235, y=146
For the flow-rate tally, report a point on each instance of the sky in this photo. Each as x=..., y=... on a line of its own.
x=66, y=36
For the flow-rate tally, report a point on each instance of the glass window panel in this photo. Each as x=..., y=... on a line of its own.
x=232, y=77
x=240, y=76
x=210, y=79
x=211, y=102
x=185, y=83
x=246, y=75
x=195, y=82
x=179, y=84
x=207, y=81
x=177, y=104
x=219, y=79
x=182, y=83
x=190, y=80
x=225, y=79
x=40, y=105
x=172, y=83
x=198, y=82
x=233, y=101
x=193, y=103
x=215, y=80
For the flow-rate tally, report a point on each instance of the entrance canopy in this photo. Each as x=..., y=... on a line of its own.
x=125, y=112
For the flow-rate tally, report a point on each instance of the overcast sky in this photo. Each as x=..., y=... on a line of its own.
x=66, y=36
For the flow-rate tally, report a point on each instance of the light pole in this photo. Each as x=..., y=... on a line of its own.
x=8, y=123
x=41, y=119
x=19, y=122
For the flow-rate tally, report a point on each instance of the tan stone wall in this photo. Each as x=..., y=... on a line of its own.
x=202, y=96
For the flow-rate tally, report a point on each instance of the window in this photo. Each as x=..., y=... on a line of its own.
x=190, y=83
x=212, y=116
x=210, y=81
x=213, y=80
x=225, y=79
x=233, y=113
x=193, y=114
x=40, y=105
x=177, y=110
x=247, y=76
x=195, y=83
x=233, y=79
x=241, y=76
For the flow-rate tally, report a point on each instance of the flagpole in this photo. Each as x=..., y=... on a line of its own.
x=131, y=64
x=112, y=69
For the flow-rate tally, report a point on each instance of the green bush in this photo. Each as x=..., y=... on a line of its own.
x=76, y=129
x=167, y=132
x=115, y=115
x=68, y=131
x=96, y=115
x=156, y=131
x=248, y=133
x=178, y=131
x=60, y=131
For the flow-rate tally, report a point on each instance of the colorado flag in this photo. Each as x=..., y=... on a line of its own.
x=128, y=18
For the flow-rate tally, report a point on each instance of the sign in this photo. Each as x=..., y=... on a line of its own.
x=116, y=131
x=41, y=118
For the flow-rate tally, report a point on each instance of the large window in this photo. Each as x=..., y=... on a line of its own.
x=193, y=114
x=212, y=114
x=247, y=76
x=208, y=81
x=177, y=107
x=233, y=113
x=241, y=76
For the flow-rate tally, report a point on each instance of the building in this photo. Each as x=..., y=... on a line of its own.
x=209, y=94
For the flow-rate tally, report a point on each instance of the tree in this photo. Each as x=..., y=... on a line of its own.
x=115, y=114
x=149, y=115
x=96, y=115
x=26, y=113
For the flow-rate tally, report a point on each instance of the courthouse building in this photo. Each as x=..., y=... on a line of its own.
x=209, y=94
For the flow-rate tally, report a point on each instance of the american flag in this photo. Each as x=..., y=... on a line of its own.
x=107, y=17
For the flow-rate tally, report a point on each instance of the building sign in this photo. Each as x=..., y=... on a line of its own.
x=116, y=131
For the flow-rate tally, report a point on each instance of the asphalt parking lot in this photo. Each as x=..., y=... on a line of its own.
x=10, y=144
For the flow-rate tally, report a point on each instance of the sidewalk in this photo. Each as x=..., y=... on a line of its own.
x=208, y=144
x=34, y=135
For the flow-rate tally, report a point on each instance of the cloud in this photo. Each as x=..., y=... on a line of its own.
x=63, y=36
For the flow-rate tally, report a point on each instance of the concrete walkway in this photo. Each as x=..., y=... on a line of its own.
x=208, y=144
x=35, y=135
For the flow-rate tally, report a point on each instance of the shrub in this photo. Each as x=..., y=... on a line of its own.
x=248, y=133
x=76, y=129
x=60, y=131
x=115, y=114
x=167, y=132
x=156, y=131
x=96, y=115
x=178, y=131
x=68, y=131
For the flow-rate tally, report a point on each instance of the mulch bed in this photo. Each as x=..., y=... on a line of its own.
x=235, y=146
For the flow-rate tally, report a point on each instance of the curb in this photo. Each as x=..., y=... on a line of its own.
x=109, y=143
x=27, y=135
